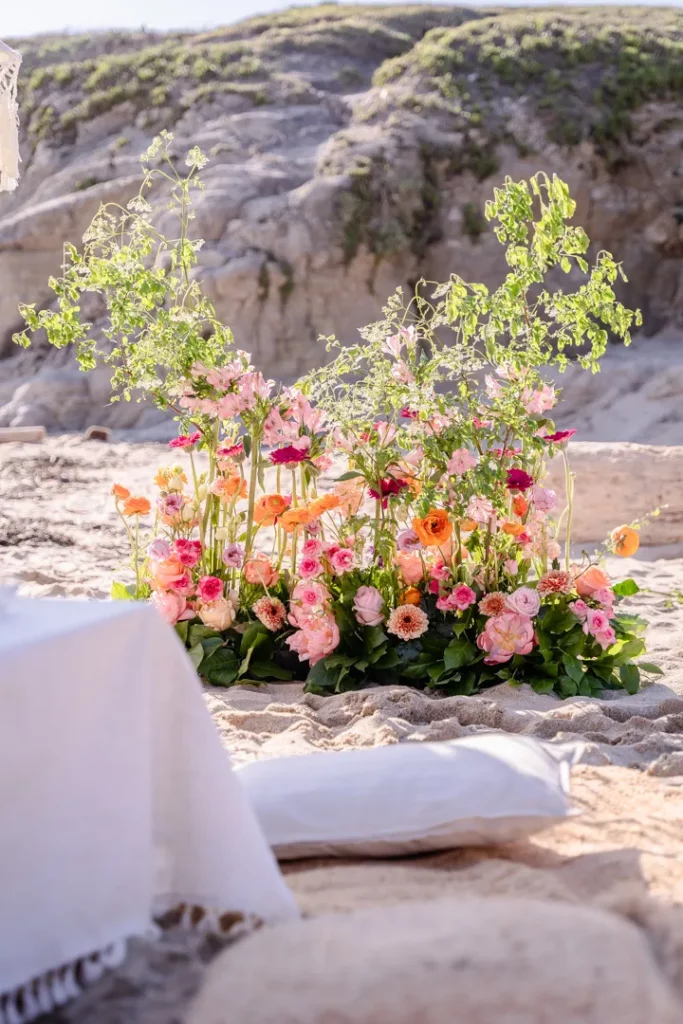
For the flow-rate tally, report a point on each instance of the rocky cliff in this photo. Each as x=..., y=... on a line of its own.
x=352, y=150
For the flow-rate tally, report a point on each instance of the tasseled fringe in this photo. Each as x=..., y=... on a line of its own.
x=10, y=62
x=55, y=988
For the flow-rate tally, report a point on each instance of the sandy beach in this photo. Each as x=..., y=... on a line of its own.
x=622, y=854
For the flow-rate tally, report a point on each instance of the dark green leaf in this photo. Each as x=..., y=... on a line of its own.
x=630, y=678
x=459, y=653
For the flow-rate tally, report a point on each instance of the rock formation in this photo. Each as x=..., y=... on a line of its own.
x=352, y=150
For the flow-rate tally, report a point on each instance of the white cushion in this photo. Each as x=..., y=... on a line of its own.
x=409, y=797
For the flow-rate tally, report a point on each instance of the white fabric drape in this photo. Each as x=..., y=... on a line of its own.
x=10, y=62
x=117, y=800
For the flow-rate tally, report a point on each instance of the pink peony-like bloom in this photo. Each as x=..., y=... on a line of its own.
x=170, y=606
x=410, y=566
x=185, y=441
x=210, y=588
x=342, y=561
x=368, y=606
x=505, y=635
x=309, y=567
x=259, y=570
x=288, y=455
x=271, y=612
x=492, y=604
x=233, y=555
x=408, y=540
x=318, y=637
x=524, y=601
x=544, y=499
x=408, y=622
x=189, y=551
x=555, y=582
x=158, y=550
x=559, y=437
x=518, y=480
x=580, y=609
x=312, y=548
x=461, y=461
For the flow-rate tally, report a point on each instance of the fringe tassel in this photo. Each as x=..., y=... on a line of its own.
x=54, y=989
x=10, y=62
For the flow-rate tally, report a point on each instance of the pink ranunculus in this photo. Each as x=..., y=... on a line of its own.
x=210, y=588
x=544, y=499
x=189, y=551
x=461, y=461
x=259, y=570
x=463, y=596
x=410, y=566
x=580, y=609
x=524, y=601
x=505, y=635
x=318, y=637
x=158, y=550
x=312, y=548
x=342, y=561
x=233, y=555
x=368, y=605
x=170, y=504
x=408, y=540
x=605, y=638
x=169, y=605
x=310, y=567
x=596, y=621
x=311, y=594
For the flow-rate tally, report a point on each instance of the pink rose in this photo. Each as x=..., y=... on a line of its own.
x=410, y=566
x=165, y=574
x=318, y=637
x=606, y=638
x=309, y=567
x=368, y=605
x=312, y=548
x=189, y=551
x=605, y=597
x=342, y=560
x=210, y=588
x=596, y=622
x=580, y=609
x=463, y=596
x=170, y=606
x=461, y=461
x=258, y=570
x=524, y=601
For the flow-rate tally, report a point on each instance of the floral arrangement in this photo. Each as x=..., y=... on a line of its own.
x=386, y=519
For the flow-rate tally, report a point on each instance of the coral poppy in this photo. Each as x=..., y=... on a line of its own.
x=136, y=507
x=119, y=491
x=294, y=517
x=325, y=503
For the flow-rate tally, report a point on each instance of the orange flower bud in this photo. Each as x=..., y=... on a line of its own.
x=119, y=491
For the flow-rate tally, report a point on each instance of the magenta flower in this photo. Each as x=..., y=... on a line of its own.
x=409, y=414
x=559, y=436
x=518, y=480
x=282, y=456
x=390, y=487
x=189, y=551
x=185, y=441
x=231, y=452
x=309, y=567
x=210, y=588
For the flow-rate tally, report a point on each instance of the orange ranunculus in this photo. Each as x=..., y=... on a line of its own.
x=520, y=506
x=136, y=507
x=294, y=517
x=625, y=540
x=411, y=596
x=468, y=525
x=119, y=491
x=513, y=529
x=434, y=529
x=325, y=503
x=269, y=507
x=225, y=487
x=594, y=578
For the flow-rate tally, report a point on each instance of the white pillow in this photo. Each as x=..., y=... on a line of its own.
x=409, y=797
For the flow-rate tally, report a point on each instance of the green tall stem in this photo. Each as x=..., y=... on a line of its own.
x=253, y=481
x=569, y=487
x=296, y=528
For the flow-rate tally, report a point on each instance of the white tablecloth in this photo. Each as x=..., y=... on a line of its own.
x=117, y=800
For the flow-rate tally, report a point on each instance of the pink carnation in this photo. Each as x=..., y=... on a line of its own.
x=545, y=500
x=189, y=551
x=210, y=588
x=312, y=548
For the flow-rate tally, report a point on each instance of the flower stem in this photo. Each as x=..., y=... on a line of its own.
x=253, y=480
x=569, y=487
